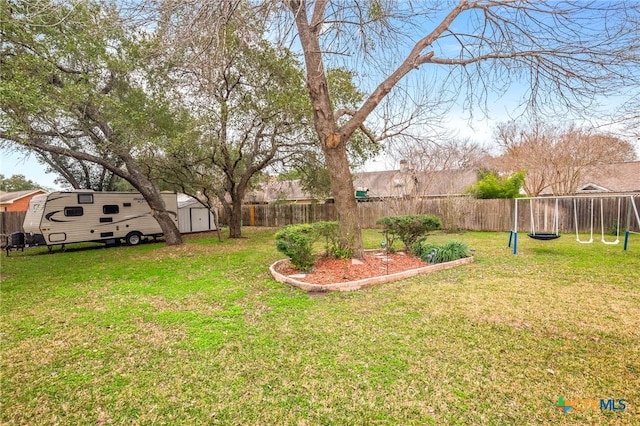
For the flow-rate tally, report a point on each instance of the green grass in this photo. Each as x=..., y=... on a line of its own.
x=201, y=334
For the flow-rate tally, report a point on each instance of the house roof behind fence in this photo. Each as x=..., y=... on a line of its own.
x=618, y=177
x=383, y=184
x=394, y=183
x=10, y=197
x=271, y=191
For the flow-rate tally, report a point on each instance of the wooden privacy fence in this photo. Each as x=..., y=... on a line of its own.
x=277, y=215
x=456, y=213
x=590, y=213
x=11, y=222
x=460, y=213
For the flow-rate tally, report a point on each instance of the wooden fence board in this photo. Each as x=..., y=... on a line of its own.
x=11, y=222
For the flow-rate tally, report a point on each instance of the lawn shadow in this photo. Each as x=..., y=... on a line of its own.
x=75, y=247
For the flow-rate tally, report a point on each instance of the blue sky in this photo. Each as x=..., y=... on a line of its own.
x=14, y=163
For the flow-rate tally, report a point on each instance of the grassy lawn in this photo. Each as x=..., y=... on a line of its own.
x=201, y=334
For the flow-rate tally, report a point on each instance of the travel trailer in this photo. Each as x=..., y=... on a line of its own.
x=59, y=218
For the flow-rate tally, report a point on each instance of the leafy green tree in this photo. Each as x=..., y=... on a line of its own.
x=248, y=101
x=492, y=185
x=77, y=81
x=16, y=183
x=79, y=174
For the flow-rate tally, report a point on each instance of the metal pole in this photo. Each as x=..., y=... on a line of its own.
x=515, y=228
x=626, y=240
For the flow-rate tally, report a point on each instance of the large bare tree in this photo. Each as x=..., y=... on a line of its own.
x=562, y=51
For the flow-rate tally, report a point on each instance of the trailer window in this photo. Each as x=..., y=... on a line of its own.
x=85, y=198
x=73, y=211
x=110, y=209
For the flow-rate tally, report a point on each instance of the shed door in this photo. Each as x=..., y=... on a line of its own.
x=199, y=220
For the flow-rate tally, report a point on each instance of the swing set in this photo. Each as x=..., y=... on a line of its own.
x=545, y=230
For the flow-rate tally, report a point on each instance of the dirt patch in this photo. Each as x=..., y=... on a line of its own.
x=375, y=264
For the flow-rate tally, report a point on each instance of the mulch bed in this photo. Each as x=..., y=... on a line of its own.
x=329, y=271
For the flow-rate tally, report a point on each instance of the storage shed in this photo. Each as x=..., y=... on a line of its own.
x=193, y=216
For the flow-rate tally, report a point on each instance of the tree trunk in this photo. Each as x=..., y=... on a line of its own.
x=235, y=219
x=345, y=200
x=169, y=228
x=171, y=232
x=153, y=196
x=333, y=144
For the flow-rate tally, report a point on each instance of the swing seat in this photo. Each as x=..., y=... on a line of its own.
x=544, y=237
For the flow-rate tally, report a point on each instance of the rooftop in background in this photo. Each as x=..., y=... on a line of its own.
x=383, y=184
x=618, y=177
x=17, y=201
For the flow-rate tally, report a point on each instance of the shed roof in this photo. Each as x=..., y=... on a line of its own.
x=185, y=200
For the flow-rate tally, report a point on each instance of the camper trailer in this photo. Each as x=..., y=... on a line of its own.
x=59, y=218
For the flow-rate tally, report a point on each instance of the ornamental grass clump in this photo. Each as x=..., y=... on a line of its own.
x=434, y=253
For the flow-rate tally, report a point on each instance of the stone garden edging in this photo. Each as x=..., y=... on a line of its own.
x=366, y=282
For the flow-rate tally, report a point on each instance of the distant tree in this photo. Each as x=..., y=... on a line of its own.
x=527, y=147
x=442, y=153
x=579, y=149
x=17, y=183
x=491, y=185
x=628, y=117
x=555, y=157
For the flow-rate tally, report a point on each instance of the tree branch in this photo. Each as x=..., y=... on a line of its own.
x=35, y=141
x=413, y=60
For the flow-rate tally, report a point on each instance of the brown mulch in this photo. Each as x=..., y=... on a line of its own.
x=329, y=271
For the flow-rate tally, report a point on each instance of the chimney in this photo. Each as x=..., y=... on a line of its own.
x=403, y=165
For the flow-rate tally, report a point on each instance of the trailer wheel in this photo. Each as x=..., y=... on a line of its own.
x=133, y=238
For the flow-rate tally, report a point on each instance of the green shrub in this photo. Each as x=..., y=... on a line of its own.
x=296, y=242
x=491, y=185
x=410, y=229
x=331, y=234
x=434, y=253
